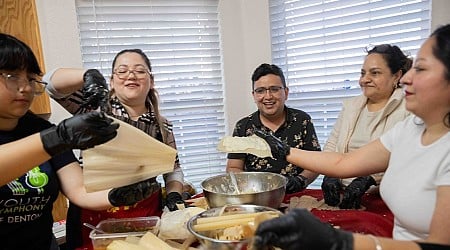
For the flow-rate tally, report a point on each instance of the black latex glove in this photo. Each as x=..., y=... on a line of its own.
x=79, y=132
x=172, y=199
x=95, y=89
x=354, y=192
x=299, y=229
x=295, y=184
x=131, y=194
x=279, y=148
x=432, y=246
x=331, y=188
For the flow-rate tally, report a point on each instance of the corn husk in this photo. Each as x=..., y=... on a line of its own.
x=253, y=144
x=130, y=157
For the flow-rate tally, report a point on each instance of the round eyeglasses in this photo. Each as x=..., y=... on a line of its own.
x=13, y=82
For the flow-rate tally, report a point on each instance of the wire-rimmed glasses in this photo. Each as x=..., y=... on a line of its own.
x=124, y=72
x=271, y=89
x=13, y=82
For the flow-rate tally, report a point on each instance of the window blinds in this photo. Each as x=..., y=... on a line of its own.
x=320, y=45
x=181, y=38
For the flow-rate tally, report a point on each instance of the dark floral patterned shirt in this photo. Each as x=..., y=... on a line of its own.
x=298, y=131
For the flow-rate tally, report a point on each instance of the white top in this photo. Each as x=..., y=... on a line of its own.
x=410, y=182
x=367, y=121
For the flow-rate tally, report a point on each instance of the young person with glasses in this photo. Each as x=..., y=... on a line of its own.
x=290, y=125
x=36, y=156
x=132, y=98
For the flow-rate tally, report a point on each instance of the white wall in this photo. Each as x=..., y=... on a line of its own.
x=245, y=35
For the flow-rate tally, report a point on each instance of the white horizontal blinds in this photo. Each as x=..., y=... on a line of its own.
x=320, y=46
x=181, y=38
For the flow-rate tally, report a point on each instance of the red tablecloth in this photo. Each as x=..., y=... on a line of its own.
x=376, y=219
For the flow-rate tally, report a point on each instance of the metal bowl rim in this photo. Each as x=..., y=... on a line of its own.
x=190, y=222
x=242, y=173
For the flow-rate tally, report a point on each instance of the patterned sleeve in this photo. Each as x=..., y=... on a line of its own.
x=310, y=140
x=177, y=174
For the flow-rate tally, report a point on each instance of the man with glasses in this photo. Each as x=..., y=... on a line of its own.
x=292, y=126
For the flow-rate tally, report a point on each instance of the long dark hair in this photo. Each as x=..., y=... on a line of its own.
x=441, y=50
x=16, y=55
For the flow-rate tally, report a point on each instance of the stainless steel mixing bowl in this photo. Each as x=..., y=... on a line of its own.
x=257, y=188
x=206, y=238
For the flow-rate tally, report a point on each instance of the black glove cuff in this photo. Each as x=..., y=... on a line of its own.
x=346, y=241
x=91, y=72
x=368, y=180
x=172, y=199
x=51, y=141
x=303, y=180
x=131, y=194
x=296, y=184
x=432, y=246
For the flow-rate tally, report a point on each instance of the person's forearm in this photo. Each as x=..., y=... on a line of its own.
x=174, y=186
x=67, y=80
x=364, y=242
x=20, y=156
x=315, y=161
x=235, y=165
x=341, y=165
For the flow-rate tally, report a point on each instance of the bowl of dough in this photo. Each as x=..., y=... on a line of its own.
x=256, y=188
x=229, y=227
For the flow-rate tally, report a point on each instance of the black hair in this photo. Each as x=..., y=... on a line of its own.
x=441, y=50
x=266, y=69
x=16, y=55
x=394, y=57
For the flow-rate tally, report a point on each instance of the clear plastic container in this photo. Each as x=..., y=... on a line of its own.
x=119, y=229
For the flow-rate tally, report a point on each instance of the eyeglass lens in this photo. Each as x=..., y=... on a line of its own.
x=13, y=82
x=124, y=73
x=271, y=89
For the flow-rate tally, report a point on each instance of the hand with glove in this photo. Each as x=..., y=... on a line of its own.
x=78, y=132
x=278, y=148
x=172, y=199
x=95, y=89
x=295, y=184
x=354, y=192
x=331, y=188
x=131, y=194
x=299, y=229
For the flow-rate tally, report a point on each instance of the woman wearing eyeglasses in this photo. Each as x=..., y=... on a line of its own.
x=365, y=118
x=132, y=98
x=293, y=126
x=36, y=159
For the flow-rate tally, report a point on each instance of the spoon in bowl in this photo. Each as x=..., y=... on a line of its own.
x=234, y=182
